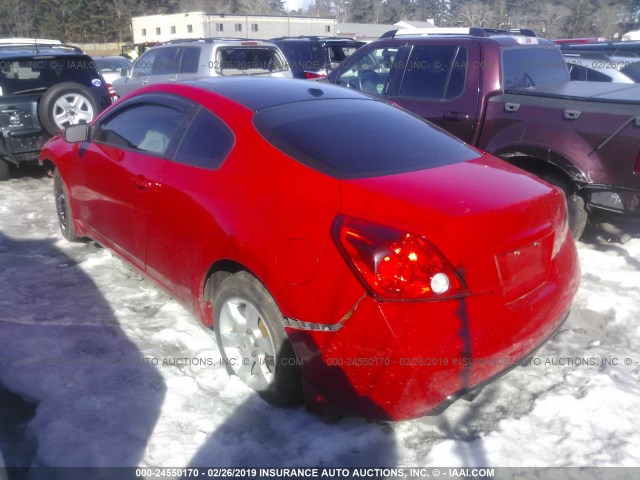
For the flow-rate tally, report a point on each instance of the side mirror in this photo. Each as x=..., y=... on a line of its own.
x=76, y=133
x=124, y=72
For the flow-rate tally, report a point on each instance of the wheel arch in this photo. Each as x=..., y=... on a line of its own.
x=213, y=278
x=540, y=161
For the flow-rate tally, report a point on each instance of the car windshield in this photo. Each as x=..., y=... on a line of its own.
x=349, y=138
x=40, y=73
x=527, y=67
x=302, y=56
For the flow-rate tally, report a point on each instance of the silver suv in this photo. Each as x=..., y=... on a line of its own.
x=210, y=57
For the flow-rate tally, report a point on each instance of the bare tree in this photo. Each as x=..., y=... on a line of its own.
x=475, y=14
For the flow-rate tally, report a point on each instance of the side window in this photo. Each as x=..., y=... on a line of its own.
x=577, y=72
x=370, y=72
x=206, y=143
x=145, y=127
x=167, y=61
x=142, y=66
x=435, y=72
x=190, y=60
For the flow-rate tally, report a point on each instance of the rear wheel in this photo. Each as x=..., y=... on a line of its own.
x=576, y=208
x=252, y=341
x=63, y=209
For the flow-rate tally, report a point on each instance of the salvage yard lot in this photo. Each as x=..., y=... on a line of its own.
x=123, y=376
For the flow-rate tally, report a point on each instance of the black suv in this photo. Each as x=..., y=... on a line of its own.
x=44, y=88
x=315, y=57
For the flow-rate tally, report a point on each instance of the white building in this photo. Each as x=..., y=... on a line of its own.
x=160, y=28
x=629, y=36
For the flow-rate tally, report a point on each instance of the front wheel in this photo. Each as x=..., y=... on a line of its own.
x=252, y=341
x=63, y=209
x=576, y=208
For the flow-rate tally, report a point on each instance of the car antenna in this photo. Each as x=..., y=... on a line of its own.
x=35, y=45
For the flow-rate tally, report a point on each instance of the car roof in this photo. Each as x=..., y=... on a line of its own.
x=504, y=38
x=39, y=50
x=217, y=41
x=307, y=39
x=259, y=93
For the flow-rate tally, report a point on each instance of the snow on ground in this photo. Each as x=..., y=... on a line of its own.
x=105, y=356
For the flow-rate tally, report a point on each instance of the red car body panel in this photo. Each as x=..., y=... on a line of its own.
x=498, y=226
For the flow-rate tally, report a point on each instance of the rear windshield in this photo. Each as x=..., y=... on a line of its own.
x=40, y=73
x=527, y=67
x=302, y=56
x=249, y=60
x=347, y=138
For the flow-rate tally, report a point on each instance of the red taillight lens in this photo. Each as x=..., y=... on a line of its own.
x=113, y=95
x=318, y=74
x=396, y=265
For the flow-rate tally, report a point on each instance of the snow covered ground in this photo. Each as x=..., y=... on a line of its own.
x=105, y=356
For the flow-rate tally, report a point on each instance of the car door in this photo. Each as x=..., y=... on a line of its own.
x=190, y=64
x=440, y=83
x=184, y=229
x=119, y=172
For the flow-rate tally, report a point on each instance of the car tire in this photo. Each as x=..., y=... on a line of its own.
x=66, y=104
x=4, y=170
x=252, y=341
x=576, y=207
x=66, y=220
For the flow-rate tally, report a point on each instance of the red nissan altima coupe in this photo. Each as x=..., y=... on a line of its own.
x=343, y=251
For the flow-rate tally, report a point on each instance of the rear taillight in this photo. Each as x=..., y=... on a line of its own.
x=319, y=74
x=636, y=169
x=113, y=95
x=396, y=265
x=562, y=230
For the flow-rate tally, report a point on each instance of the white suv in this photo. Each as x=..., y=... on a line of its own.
x=210, y=57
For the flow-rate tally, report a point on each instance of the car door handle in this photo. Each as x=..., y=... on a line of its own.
x=144, y=82
x=141, y=183
x=456, y=116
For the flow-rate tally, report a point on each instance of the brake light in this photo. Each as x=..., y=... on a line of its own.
x=250, y=43
x=562, y=230
x=113, y=95
x=319, y=74
x=396, y=265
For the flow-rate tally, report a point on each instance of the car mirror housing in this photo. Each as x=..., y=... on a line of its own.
x=76, y=133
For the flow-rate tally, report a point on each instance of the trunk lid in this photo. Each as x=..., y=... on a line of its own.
x=495, y=223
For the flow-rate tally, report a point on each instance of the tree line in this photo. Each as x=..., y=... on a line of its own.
x=87, y=21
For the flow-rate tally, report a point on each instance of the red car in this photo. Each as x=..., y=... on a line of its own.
x=343, y=250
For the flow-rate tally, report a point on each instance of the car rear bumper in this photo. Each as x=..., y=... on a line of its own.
x=402, y=360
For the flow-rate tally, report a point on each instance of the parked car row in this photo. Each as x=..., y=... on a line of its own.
x=383, y=247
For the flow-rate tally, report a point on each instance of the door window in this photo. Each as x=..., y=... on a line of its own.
x=145, y=127
x=190, y=60
x=370, y=72
x=435, y=72
x=167, y=61
x=142, y=67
